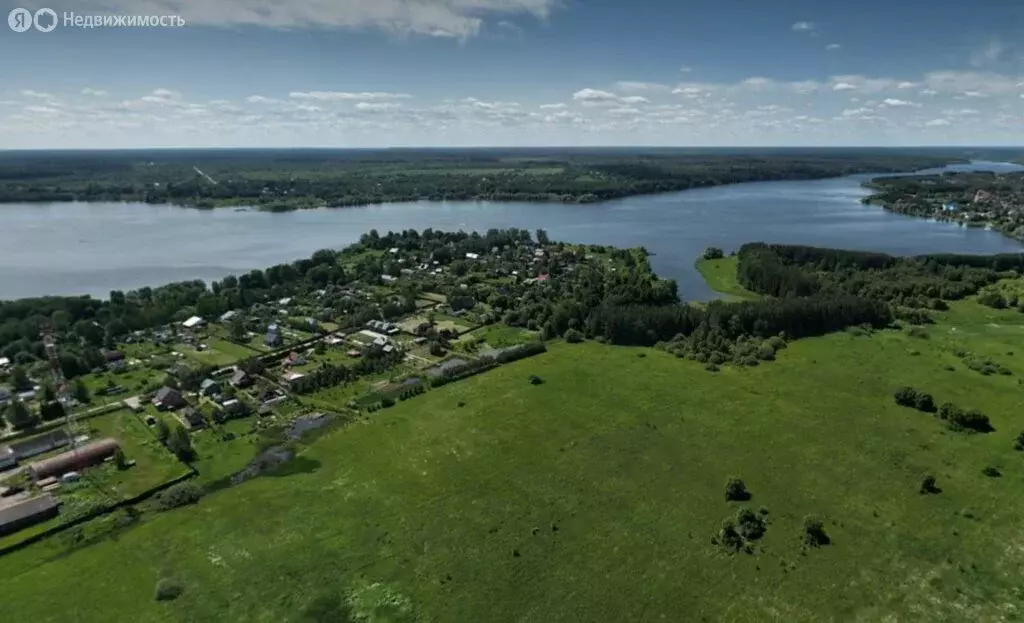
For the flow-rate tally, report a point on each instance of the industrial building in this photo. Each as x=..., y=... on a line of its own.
x=84, y=456
x=24, y=513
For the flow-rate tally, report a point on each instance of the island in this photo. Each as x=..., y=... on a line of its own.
x=470, y=426
x=972, y=199
x=283, y=180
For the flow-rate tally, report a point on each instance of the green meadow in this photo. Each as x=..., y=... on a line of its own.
x=594, y=496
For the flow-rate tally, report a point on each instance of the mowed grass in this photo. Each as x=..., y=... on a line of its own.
x=720, y=276
x=607, y=480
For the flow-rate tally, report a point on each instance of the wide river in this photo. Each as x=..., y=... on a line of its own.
x=83, y=248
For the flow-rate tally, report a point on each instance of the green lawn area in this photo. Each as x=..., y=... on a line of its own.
x=154, y=463
x=500, y=336
x=219, y=353
x=720, y=275
x=134, y=381
x=594, y=496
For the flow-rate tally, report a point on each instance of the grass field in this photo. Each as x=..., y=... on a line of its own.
x=500, y=336
x=594, y=497
x=720, y=276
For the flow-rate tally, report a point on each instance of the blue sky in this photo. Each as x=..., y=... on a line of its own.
x=363, y=73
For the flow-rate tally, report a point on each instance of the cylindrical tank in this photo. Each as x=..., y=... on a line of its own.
x=84, y=456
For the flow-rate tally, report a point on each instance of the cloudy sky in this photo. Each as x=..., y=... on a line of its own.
x=365, y=73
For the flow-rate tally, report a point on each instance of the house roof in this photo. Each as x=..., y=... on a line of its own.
x=194, y=321
x=207, y=383
x=166, y=393
x=4, y=361
x=228, y=315
x=28, y=508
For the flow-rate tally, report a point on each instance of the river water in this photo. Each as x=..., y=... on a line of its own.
x=82, y=248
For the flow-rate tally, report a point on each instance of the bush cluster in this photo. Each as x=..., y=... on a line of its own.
x=181, y=494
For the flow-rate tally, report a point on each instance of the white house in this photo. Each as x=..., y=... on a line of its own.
x=193, y=322
x=373, y=335
x=472, y=256
x=4, y=362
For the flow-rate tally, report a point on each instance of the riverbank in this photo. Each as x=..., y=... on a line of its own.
x=282, y=181
x=979, y=199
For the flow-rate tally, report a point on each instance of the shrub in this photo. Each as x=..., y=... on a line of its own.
x=918, y=332
x=906, y=396
x=924, y=402
x=713, y=253
x=573, y=336
x=1018, y=443
x=729, y=537
x=387, y=402
x=751, y=525
x=536, y=380
x=181, y=494
x=736, y=490
x=168, y=590
x=814, y=532
x=928, y=485
x=991, y=472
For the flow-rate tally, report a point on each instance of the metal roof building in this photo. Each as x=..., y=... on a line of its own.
x=89, y=454
x=22, y=514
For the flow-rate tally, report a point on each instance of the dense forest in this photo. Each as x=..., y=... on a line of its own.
x=295, y=179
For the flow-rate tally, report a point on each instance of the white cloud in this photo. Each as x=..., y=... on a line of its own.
x=962, y=82
x=595, y=97
x=975, y=94
x=259, y=99
x=36, y=94
x=686, y=69
x=857, y=112
x=929, y=92
x=833, y=46
x=906, y=85
x=892, y=102
x=436, y=18
x=937, y=123
x=377, y=106
x=628, y=85
x=93, y=92
x=843, y=86
x=342, y=96
x=558, y=106
x=804, y=26
x=990, y=53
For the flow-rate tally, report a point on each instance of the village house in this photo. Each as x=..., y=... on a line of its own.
x=168, y=399
x=228, y=316
x=195, y=322
x=209, y=387
x=240, y=379
x=273, y=338
x=191, y=418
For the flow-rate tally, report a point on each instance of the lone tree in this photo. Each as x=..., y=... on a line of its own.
x=928, y=485
x=1018, y=443
x=736, y=490
x=713, y=253
x=180, y=444
x=19, y=379
x=119, y=460
x=162, y=431
x=814, y=532
x=19, y=416
x=238, y=333
x=81, y=392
